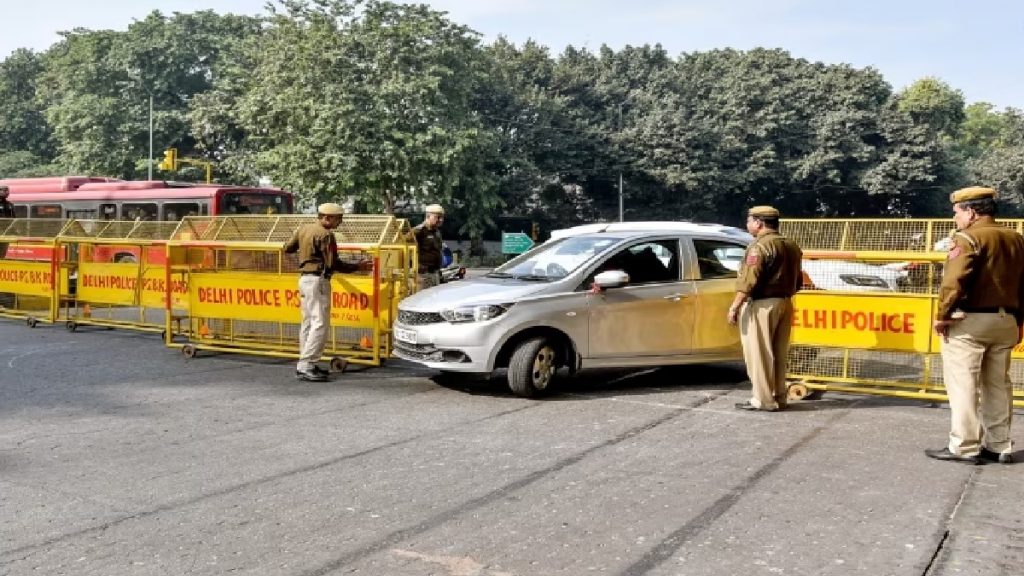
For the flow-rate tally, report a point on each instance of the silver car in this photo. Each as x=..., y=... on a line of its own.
x=623, y=295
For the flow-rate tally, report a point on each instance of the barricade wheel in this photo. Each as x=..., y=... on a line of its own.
x=797, y=391
x=71, y=325
x=338, y=364
x=31, y=322
x=188, y=351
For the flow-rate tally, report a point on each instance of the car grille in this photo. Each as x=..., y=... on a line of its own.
x=423, y=352
x=410, y=318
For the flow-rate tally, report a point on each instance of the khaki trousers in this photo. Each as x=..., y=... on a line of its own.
x=315, y=293
x=765, y=325
x=976, y=362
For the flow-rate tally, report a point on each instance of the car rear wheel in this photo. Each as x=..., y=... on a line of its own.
x=531, y=370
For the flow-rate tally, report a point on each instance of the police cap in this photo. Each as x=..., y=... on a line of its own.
x=330, y=209
x=435, y=209
x=763, y=212
x=972, y=193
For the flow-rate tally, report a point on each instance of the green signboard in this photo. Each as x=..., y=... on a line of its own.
x=515, y=243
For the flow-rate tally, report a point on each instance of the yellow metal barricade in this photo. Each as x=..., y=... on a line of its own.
x=118, y=275
x=243, y=288
x=29, y=274
x=870, y=330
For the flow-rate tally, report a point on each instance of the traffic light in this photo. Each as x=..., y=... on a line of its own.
x=170, y=161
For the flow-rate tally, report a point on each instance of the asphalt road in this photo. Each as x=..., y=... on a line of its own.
x=118, y=456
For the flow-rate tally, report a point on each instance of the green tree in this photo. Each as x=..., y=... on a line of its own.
x=933, y=103
x=97, y=86
x=23, y=126
x=372, y=104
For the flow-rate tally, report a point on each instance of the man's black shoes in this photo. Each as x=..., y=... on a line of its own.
x=311, y=375
x=945, y=454
x=990, y=456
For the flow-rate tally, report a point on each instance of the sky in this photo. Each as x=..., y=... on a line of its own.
x=977, y=48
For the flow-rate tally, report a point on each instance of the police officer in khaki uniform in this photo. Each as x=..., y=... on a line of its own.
x=429, y=245
x=6, y=211
x=318, y=260
x=769, y=276
x=979, y=317
x=6, y=208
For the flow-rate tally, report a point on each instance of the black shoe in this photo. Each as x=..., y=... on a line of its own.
x=945, y=454
x=751, y=407
x=990, y=456
x=321, y=371
x=310, y=376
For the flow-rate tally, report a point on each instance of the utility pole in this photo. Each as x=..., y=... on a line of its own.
x=621, y=203
x=150, y=163
x=620, y=197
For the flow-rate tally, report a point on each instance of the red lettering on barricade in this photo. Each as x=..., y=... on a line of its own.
x=215, y=295
x=350, y=300
x=900, y=323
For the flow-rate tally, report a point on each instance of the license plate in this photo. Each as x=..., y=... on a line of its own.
x=407, y=336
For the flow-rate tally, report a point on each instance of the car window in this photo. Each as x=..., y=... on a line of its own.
x=646, y=263
x=555, y=260
x=717, y=259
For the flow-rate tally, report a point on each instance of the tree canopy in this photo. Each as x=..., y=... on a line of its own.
x=392, y=105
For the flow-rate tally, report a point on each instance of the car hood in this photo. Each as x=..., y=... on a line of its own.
x=472, y=291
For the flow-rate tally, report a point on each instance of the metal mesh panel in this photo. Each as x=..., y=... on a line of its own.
x=354, y=229
x=276, y=334
x=898, y=235
x=30, y=228
x=83, y=230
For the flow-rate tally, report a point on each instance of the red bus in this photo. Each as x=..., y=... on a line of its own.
x=89, y=199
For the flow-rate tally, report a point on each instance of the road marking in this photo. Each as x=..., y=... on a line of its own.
x=36, y=350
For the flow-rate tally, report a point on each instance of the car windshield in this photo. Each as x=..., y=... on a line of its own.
x=555, y=260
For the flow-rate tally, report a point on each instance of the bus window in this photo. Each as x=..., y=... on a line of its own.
x=145, y=211
x=174, y=211
x=204, y=209
x=88, y=214
x=108, y=211
x=21, y=211
x=262, y=203
x=46, y=211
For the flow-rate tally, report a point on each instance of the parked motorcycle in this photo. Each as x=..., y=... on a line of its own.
x=450, y=270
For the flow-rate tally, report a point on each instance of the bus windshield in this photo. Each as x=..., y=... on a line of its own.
x=253, y=202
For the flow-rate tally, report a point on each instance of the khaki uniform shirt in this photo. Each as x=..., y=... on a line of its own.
x=771, y=268
x=429, y=244
x=984, y=271
x=318, y=251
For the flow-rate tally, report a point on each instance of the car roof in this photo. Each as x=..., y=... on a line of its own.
x=633, y=229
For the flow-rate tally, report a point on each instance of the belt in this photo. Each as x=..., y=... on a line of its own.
x=321, y=274
x=991, y=310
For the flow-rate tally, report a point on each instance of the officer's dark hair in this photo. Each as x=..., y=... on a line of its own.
x=981, y=206
x=772, y=223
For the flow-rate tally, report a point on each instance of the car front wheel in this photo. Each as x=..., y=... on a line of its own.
x=531, y=370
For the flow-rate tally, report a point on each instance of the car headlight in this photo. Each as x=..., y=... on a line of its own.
x=473, y=313
x=863, y=280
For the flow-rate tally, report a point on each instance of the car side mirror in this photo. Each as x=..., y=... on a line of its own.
x=611, y=279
